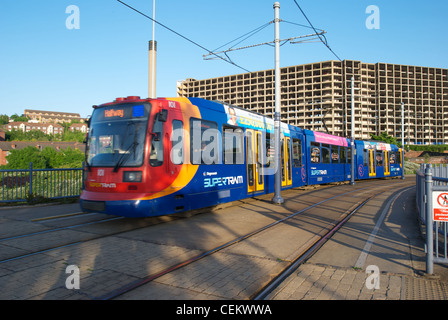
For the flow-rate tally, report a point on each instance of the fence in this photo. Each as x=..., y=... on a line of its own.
x=39, y=184
x=432, y=204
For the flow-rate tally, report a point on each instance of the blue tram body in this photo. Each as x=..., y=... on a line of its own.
x=150, y=157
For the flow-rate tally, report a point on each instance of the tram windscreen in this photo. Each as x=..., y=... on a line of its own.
x=117, y=136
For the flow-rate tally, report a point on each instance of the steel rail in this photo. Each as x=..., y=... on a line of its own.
x=308, y=253
x=138, y=283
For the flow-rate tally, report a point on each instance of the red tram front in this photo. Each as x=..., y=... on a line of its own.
x=122, y=135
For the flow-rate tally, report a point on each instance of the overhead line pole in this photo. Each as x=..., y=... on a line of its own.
x=277, y=125
x=352, y=138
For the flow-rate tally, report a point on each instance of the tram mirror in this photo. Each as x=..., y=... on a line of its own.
x=163, y=115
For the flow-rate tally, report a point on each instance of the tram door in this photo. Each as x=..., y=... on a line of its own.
x=386, y=163
x=286, y=162
x=372, y=163
x=254, y=158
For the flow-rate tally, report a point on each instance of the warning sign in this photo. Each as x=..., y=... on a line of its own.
x=440, y=206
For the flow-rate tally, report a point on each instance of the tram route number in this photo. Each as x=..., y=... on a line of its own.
x=440, y=206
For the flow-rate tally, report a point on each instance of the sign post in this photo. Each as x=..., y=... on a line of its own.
x=429, y=223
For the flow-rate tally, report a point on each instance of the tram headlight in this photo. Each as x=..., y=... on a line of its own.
x=132, y=176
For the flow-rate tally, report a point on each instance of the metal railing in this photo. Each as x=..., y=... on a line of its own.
x=432, y=205
x=29, y=185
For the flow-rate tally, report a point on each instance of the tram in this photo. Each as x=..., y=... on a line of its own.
x=153, y=157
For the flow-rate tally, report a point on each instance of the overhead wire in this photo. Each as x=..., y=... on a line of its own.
x=182, y=36
x=315, y=30
x=246, y=35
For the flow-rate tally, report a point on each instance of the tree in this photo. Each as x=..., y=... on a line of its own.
x=32, y=135
x=4, y=119
x=72, y=158
x=48, y=158
x=18, y=118
x=20, y=159
x=52, y=158
x=384, y=137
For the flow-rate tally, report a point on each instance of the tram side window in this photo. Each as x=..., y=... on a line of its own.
x=379, y=159
x=315, y=152
x=269, y=150
x=325, y=153
x=296, y=153
x=366, y=158
x=392, y=158
x=204, y=146
x=335, y=154
x=156, y=154
x=343, y=151
x=177, y=138
x=232, y=143
x=395, y=158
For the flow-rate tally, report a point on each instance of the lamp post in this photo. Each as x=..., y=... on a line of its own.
x=152, y=56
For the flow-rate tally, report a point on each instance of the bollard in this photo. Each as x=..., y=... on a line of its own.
x=429, y=222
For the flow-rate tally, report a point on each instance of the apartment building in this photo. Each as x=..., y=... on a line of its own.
x=317, y=96
x=41, y=116
x=47, y=128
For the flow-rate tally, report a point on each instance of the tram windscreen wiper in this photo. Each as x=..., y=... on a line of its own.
x=125, y=156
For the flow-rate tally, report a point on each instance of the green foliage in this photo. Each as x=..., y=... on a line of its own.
x=18, y=118
x=20, y=159
x=32, y=135
x=430, y=148
x=49, y=158
x=4, y=119
x=69, y=135
x=410, y=167
x=70, y=158
x=36, y=135
x=384, y=137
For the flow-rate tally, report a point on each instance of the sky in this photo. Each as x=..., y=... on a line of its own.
x=46, y=64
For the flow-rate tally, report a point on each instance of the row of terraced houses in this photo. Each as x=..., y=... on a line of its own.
x=49, y=122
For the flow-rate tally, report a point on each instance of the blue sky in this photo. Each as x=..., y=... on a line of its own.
x=44, y=65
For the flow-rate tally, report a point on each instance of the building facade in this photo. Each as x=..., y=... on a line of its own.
x=39, y=116
x=317, y=96
x=47, y=128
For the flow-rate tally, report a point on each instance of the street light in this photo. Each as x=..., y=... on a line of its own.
x=152, y=56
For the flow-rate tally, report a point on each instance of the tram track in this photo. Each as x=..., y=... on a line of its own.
x=58, y=229
x=151, y=221
x=264, y=291
x=303, y=257
x=267, y=289
x=315, y=200
x=95, y=236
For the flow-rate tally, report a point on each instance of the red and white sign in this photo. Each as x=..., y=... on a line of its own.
x=440, y=206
